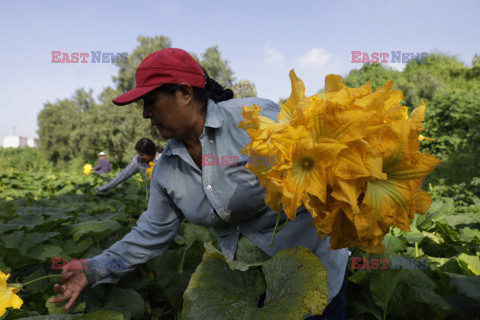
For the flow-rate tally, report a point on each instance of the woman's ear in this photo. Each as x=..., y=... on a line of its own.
x=184, y=92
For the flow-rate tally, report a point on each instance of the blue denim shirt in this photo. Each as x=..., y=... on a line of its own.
x=224, y=196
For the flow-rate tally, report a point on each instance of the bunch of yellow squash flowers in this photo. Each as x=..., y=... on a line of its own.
x=350, y=156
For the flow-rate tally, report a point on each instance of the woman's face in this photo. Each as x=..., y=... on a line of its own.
x=171, y=114
x=145, y=157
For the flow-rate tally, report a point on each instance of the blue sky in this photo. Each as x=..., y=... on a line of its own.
x=262, y=40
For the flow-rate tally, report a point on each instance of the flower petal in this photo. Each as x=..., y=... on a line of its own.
x=296, y=102
x=333, y=83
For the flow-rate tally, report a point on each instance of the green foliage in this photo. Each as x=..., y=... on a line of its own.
x=126, y=74
x=45, y=214
x=447, y=240
x=373, y=71
x=295, y=284
x=217, y=68
x=243, y=89
x=23, y=159
x=451, y=92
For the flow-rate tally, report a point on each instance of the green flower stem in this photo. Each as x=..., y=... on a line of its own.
x=50, y=276
x=416, y=249
x=275, y=230
x=283, y=225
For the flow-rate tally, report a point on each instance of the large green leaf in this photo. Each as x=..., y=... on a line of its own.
x=414, y=235
x=34, y=238
x=399, y=293
x=459, y=220
x=384, y=286
x=174, y=268
x=39, y=285
x=363, y=303
x=125, y=301
x=469, y=286
x=29, y=220
x=394, y=243
x=249, y=253
x=13, y=239
x=469, y=263
x=58, y=308
x=418, y=289
x=193, y=232
x=45, y=252
x=437, y=209
x=295, y=283
x=74, y=249
x=93, y=227
x=470, y=235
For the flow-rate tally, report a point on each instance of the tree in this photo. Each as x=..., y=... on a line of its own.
x=59, y=124
x=217, y=68
x=374, y=71
x=243, y=89
x=126, y=73
x=476, y=60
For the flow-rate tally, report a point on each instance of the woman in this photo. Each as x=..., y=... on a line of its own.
x=201, y=118
x=146, y=152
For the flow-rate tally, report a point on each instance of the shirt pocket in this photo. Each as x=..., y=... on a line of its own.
x=247, y=199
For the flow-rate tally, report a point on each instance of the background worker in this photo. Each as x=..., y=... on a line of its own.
x=147, y=153
x=103, y=165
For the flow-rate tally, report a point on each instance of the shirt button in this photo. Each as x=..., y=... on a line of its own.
x=209, y=187
x=211, y=141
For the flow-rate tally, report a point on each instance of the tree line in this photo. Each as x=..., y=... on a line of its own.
x=451, y=93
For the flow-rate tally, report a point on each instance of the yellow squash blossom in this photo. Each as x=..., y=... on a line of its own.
x=349, y=155
x=8, y=297
x=148, y=172
x=87, y=169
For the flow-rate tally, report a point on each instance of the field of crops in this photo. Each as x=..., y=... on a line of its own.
x=48, y=216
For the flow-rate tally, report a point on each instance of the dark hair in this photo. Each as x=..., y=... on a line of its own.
x=147, y=146
x=213, y=90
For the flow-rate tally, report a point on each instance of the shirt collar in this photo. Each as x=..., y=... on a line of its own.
x=213, y=120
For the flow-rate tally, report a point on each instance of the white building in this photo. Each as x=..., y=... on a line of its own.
x=17, y=142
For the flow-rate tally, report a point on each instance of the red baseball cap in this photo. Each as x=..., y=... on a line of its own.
x=166, y=66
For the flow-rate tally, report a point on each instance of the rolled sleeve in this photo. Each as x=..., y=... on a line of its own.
x=155, y=231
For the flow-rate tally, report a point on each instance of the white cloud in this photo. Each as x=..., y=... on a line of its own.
x=397, y=66
x=315, y=58
x=273, y=56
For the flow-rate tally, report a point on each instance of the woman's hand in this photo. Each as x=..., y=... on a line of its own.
x=74, y=281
